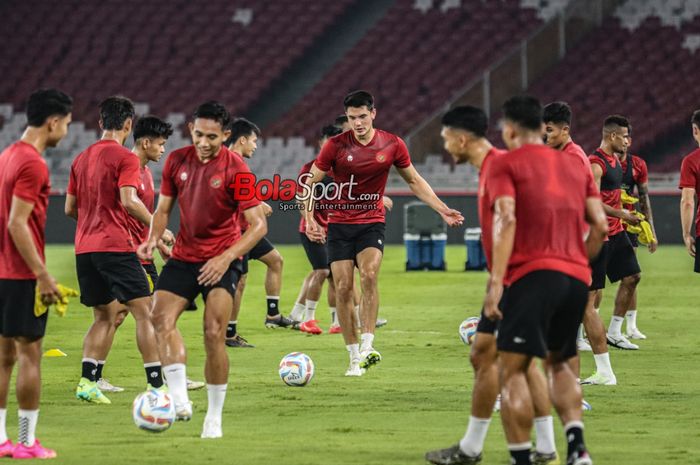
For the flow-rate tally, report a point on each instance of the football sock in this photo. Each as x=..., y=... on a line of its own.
x=297, y=312
x=310, y=310
x=3, y=430
x=544, y=429
x=367, y=339
x=27, y=426
x=580, y=332
x=357, y=316
x=473, y=441
x=574, y=435
x=216, y=395
x=89, y=369
x=334, y=316
x=231, y=329
x=100, y=366
x=631, y=316
x=176, y=377
x=520, y=453
x=273, y=303
x=597, y=310
x=354, y=350
x=615, y=328
x=602, y=364
x=154, y=374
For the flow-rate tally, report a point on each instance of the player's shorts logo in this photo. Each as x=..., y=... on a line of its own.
x=381, y=158
x=183, y=176
x=216, y=182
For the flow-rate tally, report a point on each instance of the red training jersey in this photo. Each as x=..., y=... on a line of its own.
x=575, y=149
x=320, y=214
x=550, y=193
x=610, y=193
x=146, y=192
x=208, y=212
x=690, y=178
x=485, y=210
x=96, y=176
x=24, y=174
x=368, y=167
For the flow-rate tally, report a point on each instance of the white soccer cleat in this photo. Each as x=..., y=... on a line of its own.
x=600, y=380
x=633, y=333
x=211, y=428
x=621, y=342
x=354, y=369
x=369, y=357
x=583, y=346
x=183, y=412
x=105, y=386
x=194, y=385
x=585, y=406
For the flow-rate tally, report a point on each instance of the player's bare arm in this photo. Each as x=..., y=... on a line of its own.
x=687, y=213
x=645, y=208
x=313, y=230
x=610, y=211
x=159, y=221
x=213, y=270
x=503, y=240
x=71, y=207
x=423, y=191
x=21, y=235
x=596, y=219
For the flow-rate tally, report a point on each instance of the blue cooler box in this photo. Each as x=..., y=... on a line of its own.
x=476, y=258
x=425, y=252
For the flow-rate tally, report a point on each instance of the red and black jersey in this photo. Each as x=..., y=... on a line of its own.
x=610, y=185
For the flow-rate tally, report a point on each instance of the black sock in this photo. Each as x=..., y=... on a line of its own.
x=520, y=457
x=89, y=369
x=273, y=304
x=231, y=329
x=154, y=375
x=574, y=437
x=100, y=366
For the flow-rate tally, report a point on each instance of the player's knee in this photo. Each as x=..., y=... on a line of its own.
x=482, y=356
x=120, y=317
x=214, y=332
x=8, y=358
x=161, y=320
x=320, y=275
x=369, y=279
x=632, y=280
x=277, y=262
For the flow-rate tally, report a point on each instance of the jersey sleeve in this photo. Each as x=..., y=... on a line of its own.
x=31, y=179
x=129, y=172
x=167, y=184
x=597, y=160
x=401, y=159
x=72, y=181
x=326, y=158
x=688, y=174
x=591, y=187
x=643, y=172
x=499, y=180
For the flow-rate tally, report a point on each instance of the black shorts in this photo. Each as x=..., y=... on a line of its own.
x=106, y=276
x=634, y=239
x=490, y=326
x=617, y=260
x=345, y=241
x=259, y=250
x=151, y=273
x=542, y=313
x=17, y=317
x=316, y=252
x=180, y=278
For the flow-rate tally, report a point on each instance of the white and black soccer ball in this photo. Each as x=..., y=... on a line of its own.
x=154, y=411
x=467, y=329
x=296, y=369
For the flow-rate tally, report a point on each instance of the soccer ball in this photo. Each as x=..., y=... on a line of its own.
x=467, y=330
x=296, y=369
x=154, y=411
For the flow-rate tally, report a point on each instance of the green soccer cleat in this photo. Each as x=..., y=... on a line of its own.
x=538, y=458
x=88, y=391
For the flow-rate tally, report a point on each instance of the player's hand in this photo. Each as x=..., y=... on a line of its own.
x=313, y=231
x=629, y=218
x=267, y=210
x=145, y=250
x=452, y=217
x=388, y=203
x=164, y=250
x=213, y=270
x=48, y=289
x=690, y=244
x=493, y=298
x=653, y=245
x=168, y=238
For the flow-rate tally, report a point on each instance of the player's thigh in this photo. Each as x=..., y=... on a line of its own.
x=484, y=352
x=343, y=272
x=177, y=286
x=623, y=260
x=564, y=323
x=228, y=282
x=17, y=315
x=598, y=268
x=217, y=309
x=94, y=289
x=369, y=261
x=123, y=274
x=316, y=253
x=341, y=242
x=261, y=249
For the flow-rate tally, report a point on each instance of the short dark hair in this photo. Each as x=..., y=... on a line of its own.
x=467, y=117
x=44, y=103
x=359, y=98
x=241, y=127
x=613, y=122
x=330, y=131
x=557, y=113
x=214, y=111
x=695, y=119
x=152, y=127
x=525, y=111
x=340, y=120
x=114, y=111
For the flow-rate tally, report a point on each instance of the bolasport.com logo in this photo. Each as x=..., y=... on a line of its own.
x=293, y=193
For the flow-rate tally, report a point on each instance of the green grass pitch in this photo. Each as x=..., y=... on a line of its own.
x=416, y=400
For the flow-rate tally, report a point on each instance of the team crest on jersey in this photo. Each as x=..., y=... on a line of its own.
x=349, y=158
x=216, y=182
x=183, y=176
x=381, y=158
